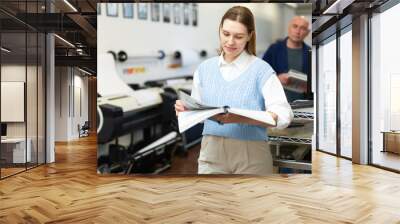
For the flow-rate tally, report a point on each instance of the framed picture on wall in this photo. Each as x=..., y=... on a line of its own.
x=194, y=14
x=98, y=6
x=155, y=12
x=177, y=13
x=142, y=11
x=112, y=9
x=127, y=10
x=186, y=14
x=166, y=12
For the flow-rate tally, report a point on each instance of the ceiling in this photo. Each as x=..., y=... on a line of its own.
x=76, y=24
x=330, y=15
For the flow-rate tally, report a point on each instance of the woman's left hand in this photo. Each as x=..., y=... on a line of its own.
x=273, y=115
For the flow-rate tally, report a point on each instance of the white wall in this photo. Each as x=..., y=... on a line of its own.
x=33, y=125
x=81, y=103
x=144, y=37
x=61, y=103
x=17, y=73
x=69, y=85
x=82, y=82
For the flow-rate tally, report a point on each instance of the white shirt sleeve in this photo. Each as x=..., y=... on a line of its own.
x=196, y=88
x=276, y=102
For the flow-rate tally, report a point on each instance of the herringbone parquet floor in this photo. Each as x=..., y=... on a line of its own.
x=70, y=191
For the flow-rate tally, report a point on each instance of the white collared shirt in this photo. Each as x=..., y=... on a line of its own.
x=272, y=91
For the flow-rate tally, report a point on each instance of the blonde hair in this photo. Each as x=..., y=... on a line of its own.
x=244, y=16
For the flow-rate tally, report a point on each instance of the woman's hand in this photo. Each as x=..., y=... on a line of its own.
x=179, y=107
x=274, y=116
x=284, y=78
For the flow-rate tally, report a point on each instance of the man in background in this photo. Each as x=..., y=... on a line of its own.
x=291, y=53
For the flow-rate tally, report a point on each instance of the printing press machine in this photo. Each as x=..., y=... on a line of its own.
x=151, y=110
x=192, y=136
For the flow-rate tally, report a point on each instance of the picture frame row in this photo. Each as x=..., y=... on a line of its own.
x=186, y=13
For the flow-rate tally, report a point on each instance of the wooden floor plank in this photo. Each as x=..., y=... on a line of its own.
x=70, y=191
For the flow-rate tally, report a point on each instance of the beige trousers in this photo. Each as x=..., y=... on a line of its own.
x=221, y=155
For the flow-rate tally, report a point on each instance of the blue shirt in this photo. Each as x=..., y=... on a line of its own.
x=277, y=57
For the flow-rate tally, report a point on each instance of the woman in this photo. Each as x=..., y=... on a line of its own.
x=237, y=78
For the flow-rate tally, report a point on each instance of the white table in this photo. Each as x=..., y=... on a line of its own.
x=18, y=149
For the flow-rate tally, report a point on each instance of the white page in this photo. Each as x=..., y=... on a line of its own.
x=171, y=82
x=146, y=97
x=191, y=103
x=188, y=119
x=108, y=80
x=262, y=116
x=298, y=75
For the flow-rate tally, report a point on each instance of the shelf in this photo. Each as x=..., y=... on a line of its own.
x=286, y=139
x=303, y=115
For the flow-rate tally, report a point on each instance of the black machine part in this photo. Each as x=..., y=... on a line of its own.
x=117, y=123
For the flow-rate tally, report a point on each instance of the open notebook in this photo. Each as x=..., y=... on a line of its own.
x=198, y=112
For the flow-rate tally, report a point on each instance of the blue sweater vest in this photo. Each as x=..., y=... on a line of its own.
x=244, y=92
